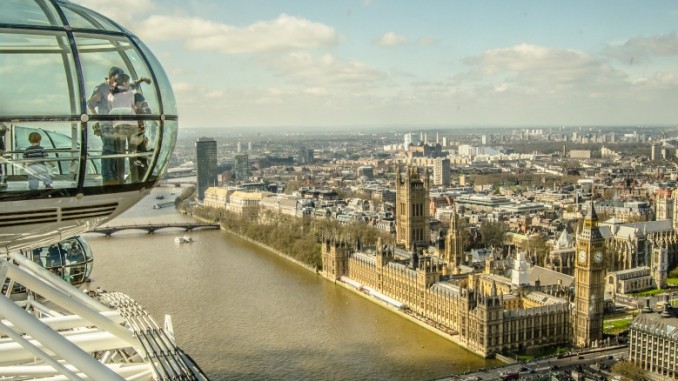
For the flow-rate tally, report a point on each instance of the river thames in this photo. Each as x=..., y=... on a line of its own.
x=245, y=314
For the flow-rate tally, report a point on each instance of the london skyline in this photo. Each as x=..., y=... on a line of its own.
x=375, y=63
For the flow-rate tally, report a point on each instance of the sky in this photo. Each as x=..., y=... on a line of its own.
x=446, y=63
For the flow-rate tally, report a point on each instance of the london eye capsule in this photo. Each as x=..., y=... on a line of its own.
x=88, y=121
x=71, y=259
x=87, y=124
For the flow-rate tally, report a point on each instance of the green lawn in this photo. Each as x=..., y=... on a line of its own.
x=672, y=281
x=650, y=292
x=617, y=325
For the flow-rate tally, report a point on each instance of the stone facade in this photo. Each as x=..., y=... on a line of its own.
x=653, y=340
x=486, y=320
x=653, y=244
x=589, y=283
x=412, y=213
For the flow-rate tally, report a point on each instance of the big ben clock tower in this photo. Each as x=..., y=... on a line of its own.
x=589, y=282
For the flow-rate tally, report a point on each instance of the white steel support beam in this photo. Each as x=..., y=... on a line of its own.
x=72, y=321
x=129, y=371
x=54, y=364
x=69, y=299
x=93, y=341
x=41, y=308
x=55, y=342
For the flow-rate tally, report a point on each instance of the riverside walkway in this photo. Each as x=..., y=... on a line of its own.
x=152, y=228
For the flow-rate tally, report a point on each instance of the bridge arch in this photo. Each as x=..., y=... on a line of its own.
x=152, y=228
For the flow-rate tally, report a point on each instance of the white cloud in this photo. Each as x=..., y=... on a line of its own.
x=640, y=49
x=316, y=91
x=525, y=57
x=324, y=70
x=425, y=41
x=542, y=69
x=214, y=94
x=284, y=33
x=659, y=81
x=391, y=39
x=501, y=88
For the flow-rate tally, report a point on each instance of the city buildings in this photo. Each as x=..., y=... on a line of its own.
x=539, y=197
x=486, y=312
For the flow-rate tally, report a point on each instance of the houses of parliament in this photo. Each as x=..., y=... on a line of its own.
x=489, y=311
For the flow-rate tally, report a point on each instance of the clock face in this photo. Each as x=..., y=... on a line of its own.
x=582, y=256
x=598, y=257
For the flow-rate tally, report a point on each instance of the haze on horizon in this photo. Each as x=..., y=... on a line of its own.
x=267, y=63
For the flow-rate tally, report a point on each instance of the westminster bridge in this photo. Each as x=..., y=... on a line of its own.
x=152, y=228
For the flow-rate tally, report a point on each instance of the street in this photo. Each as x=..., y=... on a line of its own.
x=592, y=363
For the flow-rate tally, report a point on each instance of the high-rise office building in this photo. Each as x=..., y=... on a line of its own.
x=242, y=168
x=656, y=152
x=206, y=159
x=441, y=172
x=306, y=155
x=411, y=138
x=407, y=140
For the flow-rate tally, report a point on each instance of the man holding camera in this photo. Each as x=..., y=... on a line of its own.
x=111, y=168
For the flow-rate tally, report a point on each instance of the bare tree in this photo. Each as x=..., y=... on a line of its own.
x=492, y=233
x=629, y=371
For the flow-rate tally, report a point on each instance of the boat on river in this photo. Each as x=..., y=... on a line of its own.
x=184, y=239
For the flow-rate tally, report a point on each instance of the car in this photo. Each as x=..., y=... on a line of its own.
x=581, y=357
x=510, y=376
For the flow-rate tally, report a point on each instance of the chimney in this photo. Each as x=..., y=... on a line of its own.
x=667, y=307
x=647, y=307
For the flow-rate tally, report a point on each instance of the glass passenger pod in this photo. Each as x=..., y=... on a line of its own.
x=68, y=129
x=70, y=259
